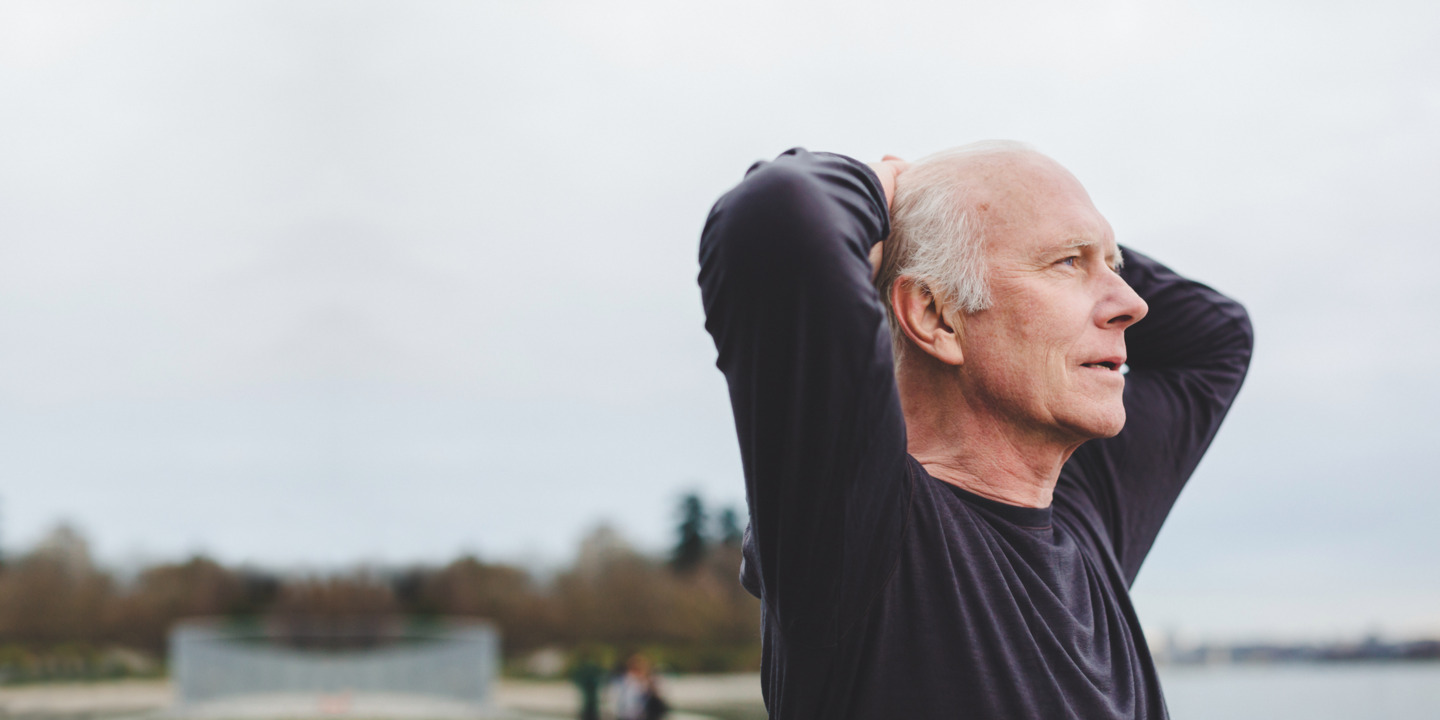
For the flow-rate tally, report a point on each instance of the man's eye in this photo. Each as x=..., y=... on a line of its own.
x=1070, y=260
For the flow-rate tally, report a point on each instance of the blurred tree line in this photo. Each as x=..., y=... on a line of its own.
x=62, y=616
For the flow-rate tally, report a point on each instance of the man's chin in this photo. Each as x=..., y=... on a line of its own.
x=1110, y=432
x=1104, y=425
x=1114, y=425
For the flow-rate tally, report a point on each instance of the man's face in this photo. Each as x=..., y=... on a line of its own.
x=1046, y=355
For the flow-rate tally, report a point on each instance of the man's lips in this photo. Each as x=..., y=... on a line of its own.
x=1111, y=363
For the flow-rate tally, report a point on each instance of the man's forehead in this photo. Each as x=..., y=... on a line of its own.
x=1013, y=190
x=1018, y=181
x=1036, y=192
x=1045, y=221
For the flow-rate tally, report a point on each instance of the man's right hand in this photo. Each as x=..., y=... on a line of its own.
x=888, y=170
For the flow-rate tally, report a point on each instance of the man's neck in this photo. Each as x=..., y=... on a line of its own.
x=962, y=444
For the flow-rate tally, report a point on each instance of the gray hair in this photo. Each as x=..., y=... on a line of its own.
x=935, y=239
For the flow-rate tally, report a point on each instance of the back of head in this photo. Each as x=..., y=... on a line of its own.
x=936, y=238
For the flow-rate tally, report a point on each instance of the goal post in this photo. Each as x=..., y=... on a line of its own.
x=335, y=666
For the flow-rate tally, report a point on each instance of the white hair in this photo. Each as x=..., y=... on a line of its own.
x=935, y=239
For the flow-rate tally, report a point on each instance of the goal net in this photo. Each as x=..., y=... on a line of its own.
x=346, y=666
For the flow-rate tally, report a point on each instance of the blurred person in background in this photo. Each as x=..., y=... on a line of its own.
x=927, y=366
x=637, y=694
x=588, y=676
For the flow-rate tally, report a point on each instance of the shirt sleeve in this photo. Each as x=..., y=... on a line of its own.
x=802, y=341
x=1187, y=359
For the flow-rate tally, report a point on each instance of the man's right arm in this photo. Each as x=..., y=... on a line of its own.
x=785, y=279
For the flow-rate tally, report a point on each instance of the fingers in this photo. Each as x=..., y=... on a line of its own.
x=899, y=164
x=887, y=170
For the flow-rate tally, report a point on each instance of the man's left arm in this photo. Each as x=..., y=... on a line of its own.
x=1187, y=359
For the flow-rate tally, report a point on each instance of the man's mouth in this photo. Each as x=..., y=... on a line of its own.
x=1104, y=364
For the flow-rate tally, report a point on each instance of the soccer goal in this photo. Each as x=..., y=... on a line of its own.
x=372, y=667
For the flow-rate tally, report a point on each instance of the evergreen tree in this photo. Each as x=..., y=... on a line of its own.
x=731, y=531
x=690, y=545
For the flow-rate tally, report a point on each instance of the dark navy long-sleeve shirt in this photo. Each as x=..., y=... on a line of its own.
x=886, y=592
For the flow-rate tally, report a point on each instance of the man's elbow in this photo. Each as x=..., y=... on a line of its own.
x=1244, y=339
x=770, y=217
x=1239, y=343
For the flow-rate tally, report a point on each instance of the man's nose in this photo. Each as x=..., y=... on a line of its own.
x=1126, y=306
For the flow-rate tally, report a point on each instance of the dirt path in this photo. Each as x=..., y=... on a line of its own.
x=550, y=698
x=696, y=691
x=85, y=699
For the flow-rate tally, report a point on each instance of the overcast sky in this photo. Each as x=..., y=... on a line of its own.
x=327, y=282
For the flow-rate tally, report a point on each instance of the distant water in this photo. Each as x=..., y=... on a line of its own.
x=1329, y=691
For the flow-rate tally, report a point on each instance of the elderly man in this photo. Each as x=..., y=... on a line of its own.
x=946, y=516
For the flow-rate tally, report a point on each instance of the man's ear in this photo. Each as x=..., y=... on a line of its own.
x=922, y=317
